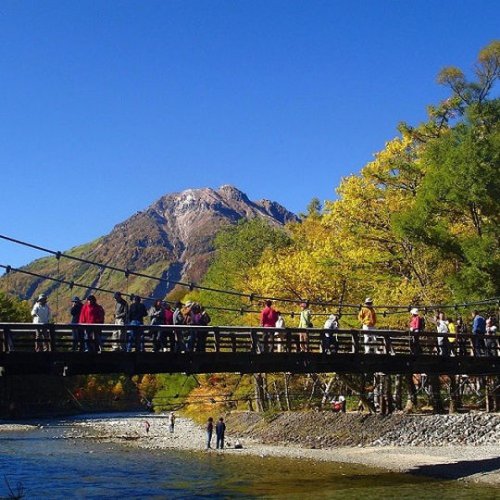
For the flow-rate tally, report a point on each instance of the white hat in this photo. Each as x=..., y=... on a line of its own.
x=368, y=300
x=414, y=311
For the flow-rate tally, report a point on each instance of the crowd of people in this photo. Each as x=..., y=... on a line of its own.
x=272, y=338
x=88, y=338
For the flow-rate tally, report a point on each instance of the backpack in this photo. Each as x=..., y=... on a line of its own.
x=178, y=318
x=331, y=323
x=421, y=324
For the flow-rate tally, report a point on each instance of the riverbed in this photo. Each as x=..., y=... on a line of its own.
x=83, y=458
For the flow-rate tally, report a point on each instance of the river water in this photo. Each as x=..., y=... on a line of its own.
x=43, y=464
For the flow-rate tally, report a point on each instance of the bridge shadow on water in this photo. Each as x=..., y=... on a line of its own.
x=459, y=470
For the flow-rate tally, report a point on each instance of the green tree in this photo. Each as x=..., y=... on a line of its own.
x=238, y=249
x=457, y=205
x=13, y=309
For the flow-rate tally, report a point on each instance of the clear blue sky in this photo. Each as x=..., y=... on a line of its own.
x=108, y=105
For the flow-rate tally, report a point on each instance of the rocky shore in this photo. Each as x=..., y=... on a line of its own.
x=462, y=447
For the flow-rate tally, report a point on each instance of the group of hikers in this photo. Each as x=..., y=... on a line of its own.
x=450, y=338
x=86, y=338
x=272, y=337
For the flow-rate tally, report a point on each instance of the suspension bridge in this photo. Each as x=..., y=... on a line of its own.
x=58, y=349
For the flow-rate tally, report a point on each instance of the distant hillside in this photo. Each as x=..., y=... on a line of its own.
x=172, y=239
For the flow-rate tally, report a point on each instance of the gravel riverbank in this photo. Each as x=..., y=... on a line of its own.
x=417, y=444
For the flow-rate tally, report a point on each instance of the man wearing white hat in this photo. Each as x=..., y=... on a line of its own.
x=368, y=318
x=41, y=315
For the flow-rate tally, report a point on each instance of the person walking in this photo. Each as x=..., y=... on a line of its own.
x=210, y=430
x=76, y=331
x=443, y=331
x=121, y=318
x=42, y=315
x=220, y=429
x=368, y=319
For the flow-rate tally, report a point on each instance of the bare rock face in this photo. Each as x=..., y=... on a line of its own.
x=173, y=239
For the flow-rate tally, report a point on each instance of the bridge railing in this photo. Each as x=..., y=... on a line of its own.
x=25, y=337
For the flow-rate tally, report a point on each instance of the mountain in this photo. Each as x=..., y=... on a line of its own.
x=172, y=239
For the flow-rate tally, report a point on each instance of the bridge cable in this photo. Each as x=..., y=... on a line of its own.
x=191, y=286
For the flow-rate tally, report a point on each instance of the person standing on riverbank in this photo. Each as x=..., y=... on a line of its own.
x=210, y=430
x=220, y=429
x=171, y=421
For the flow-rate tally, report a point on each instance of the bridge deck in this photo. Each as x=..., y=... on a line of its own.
x=238, y=349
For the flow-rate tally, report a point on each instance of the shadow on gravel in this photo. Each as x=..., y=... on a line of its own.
x=460, y=469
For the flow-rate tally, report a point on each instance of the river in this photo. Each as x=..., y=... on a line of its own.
x=41, y=463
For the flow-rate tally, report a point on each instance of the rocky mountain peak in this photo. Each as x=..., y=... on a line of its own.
x=172, y=239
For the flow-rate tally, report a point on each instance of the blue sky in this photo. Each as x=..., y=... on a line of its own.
x=107, y=105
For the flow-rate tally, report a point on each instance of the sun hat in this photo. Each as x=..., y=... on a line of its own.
x=368, y=300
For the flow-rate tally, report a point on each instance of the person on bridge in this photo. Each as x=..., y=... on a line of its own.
x=330, y=343
x=178, y=319
x=157, y=317
x=490, y=340
x=268, y=318
x=77, y=332
x=305, y=321
x=137, y=313
x=478, y=332
x=121, y=318
x=443, y=331
x=368, y=318
x=461, y=329
x=42, y=315
x=92, y=314
x=417, y=325
x=168, y=319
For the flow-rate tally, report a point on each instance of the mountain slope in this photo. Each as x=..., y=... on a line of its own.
x=172, y=239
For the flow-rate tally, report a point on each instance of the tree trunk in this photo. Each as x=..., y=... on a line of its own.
x=260, y=396
x=435, y=394
x=287, y=392
x=326, y=392
x=277, y=396
x=358, y=388
x=455, y=401
x=398, y=392
x=411, y=402
x=387, y=394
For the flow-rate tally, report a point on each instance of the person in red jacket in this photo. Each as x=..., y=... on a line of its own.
x=268, y=318
x=91, y=314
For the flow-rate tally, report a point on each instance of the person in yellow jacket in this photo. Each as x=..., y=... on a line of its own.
x=368, y=319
